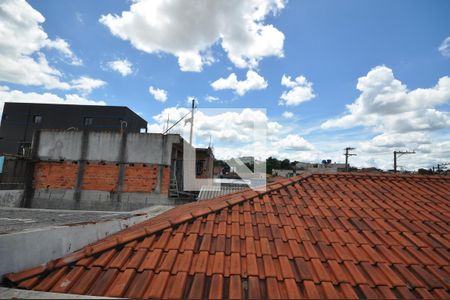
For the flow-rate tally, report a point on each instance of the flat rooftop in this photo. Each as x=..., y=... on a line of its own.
x=26, y=219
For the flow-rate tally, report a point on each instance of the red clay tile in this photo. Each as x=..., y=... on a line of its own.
x=197, y=286
x=216, y=289
x=121, y=283
x=235, y=287
x=311, y=290
x=176, y=290
x=103, y=282
x=304, y=269
x=157, y=285
x=219, y=263
x=286, y=267
x=67, y=281
x=83, y=285
x=272, y=289
x=151, y=260
x=335, y=235
x=139, y=285
x=254, y=289
x=48, y=282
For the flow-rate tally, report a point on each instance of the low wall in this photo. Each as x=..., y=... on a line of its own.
x=27, y=249
x=11, y=198
x=96, y=200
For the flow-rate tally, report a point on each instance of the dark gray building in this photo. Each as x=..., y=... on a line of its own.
x=20, y=120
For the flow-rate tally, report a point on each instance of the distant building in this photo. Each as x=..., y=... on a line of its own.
x=20, y=120
x=284, y=173
x=325, y=167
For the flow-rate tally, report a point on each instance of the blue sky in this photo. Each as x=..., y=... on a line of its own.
x=396, y=47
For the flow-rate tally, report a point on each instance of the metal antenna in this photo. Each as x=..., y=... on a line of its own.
x=397, y=154
x=347, y=154
x=192, y=121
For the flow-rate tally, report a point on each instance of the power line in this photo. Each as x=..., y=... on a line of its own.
x=398, y=154
x=347, y=154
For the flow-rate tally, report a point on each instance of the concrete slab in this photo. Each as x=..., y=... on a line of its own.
x=22, y=219
x=6, y=293
x=32, y=242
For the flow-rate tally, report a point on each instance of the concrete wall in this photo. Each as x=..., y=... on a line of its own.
x=102, y=170
x=97, y=200
x=22, y=250
x=57, y=145
x=11, y=198
x=105, y=146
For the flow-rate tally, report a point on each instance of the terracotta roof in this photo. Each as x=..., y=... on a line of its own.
x=317, y=236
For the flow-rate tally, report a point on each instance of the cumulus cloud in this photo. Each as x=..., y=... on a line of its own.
x=7, y=95
x=232, y=133
x=300, y=90
x=386, y=104
x=288, y=115
x=294, y=142
x=254, y=81
x=86, y=84
x=444, y=48
x=188, y=30
x=123, y=66
x=159, y=94
x=22, y=39
x=401, y=119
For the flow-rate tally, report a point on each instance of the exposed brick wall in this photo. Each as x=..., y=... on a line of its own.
x=140, y=178
x=55, y=175
x=165, y=180
x=100, y=177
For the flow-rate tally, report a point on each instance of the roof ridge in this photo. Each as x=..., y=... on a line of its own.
x=128, y=235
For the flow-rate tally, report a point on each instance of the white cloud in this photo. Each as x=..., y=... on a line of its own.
x=288, y=115
x=7, y=95
x=209, y=98
x=232, y=133
x=253, y=82
x=86, y=84
x=300, y=91
x=123, y=66
x=159, y=94
x=21, y=40
x=386, y=105
x=294, y=142
x=401, y=119
x=188, y=29
x=444, y=48
x=63, y=47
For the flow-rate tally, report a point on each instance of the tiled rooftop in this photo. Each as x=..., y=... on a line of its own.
x=318, y=236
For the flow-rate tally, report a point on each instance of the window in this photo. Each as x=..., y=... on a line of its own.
x=37, y=119
x=88, y=121
x=143, y=130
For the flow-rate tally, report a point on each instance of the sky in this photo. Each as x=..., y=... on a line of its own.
x=319, y=76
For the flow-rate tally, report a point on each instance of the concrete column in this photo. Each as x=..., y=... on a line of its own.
x=29, y=173
x=122, y=162
x=81, y=166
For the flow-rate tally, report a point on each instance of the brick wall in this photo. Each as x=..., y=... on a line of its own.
x=165, y=180
x=100, y=177
x=55, y=175
x=140, y=178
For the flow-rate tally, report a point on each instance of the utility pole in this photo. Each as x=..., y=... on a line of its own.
x=398, y=154
x=347, y=154
x=192, y=121
x=441, y=167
